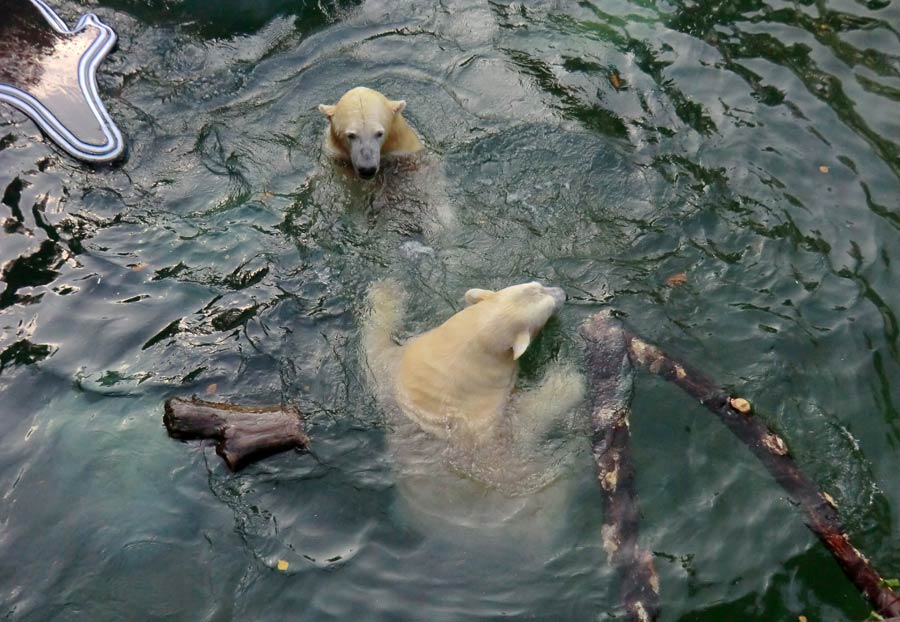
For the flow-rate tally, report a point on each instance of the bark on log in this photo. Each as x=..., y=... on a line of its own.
x=245, y=434
x=821, y=513
x=610, y=375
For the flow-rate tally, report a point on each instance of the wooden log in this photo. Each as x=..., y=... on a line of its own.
x=245, y=434
x=610, y=376
x=821, y=512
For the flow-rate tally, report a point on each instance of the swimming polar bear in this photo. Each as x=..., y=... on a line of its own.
x=449, y=395
x=363, y=126
x=368, y=130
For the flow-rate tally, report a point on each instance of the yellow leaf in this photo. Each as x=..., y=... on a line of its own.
x=741, y=405
x=283, y=565
x=677, y=279
x=823, y=169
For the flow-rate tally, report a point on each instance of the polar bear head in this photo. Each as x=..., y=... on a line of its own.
x=361, y=123
x=513, y=316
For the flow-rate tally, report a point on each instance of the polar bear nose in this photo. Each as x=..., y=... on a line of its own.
x=558, y=295
x=367, y=172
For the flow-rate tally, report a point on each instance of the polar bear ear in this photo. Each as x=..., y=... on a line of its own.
x=523, y=340
x=327, y=110
x=397, y=106
x=477, y=295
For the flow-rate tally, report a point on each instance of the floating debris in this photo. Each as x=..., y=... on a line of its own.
x=615, y=80
x=741, y=405
x=677, y=279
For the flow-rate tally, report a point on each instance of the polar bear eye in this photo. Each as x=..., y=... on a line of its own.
x=351, y=135
x=379, y=134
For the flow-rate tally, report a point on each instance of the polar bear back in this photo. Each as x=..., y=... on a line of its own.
x=448, y=382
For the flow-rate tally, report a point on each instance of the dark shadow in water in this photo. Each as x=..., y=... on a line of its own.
x=39, y=268
x=593, y=117
x=711, y=20
x=227, y=18
x=23, y=353
x=610, y=29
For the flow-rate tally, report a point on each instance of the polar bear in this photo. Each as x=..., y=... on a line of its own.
x=456, y=383
x=363, y=126
x=368, y=130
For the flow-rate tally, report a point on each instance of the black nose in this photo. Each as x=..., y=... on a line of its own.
x=367, y=172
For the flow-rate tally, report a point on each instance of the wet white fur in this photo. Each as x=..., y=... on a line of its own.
x=455, y=382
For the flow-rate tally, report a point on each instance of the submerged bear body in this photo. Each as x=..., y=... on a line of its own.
x=469, y=450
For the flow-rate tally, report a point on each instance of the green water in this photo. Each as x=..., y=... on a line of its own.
x=227, y=251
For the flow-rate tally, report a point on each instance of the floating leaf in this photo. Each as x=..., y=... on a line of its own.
x=677, y=279
x=741, y=405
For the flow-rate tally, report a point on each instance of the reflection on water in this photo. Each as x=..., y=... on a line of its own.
x=600, y=146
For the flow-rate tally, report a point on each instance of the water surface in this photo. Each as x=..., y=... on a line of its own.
x=600, y=146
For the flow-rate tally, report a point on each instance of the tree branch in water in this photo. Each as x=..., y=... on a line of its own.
x=245, y=434
x=610, y=374
x=736, y=413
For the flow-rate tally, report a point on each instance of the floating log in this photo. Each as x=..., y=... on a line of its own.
x=245, y=434
x=610, y=374
x=736, y=413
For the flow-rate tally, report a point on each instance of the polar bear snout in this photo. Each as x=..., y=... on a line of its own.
x=367, y=172
x=559, y=296
x=365, y=157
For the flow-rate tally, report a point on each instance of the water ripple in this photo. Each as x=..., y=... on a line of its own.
x=725, y=175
